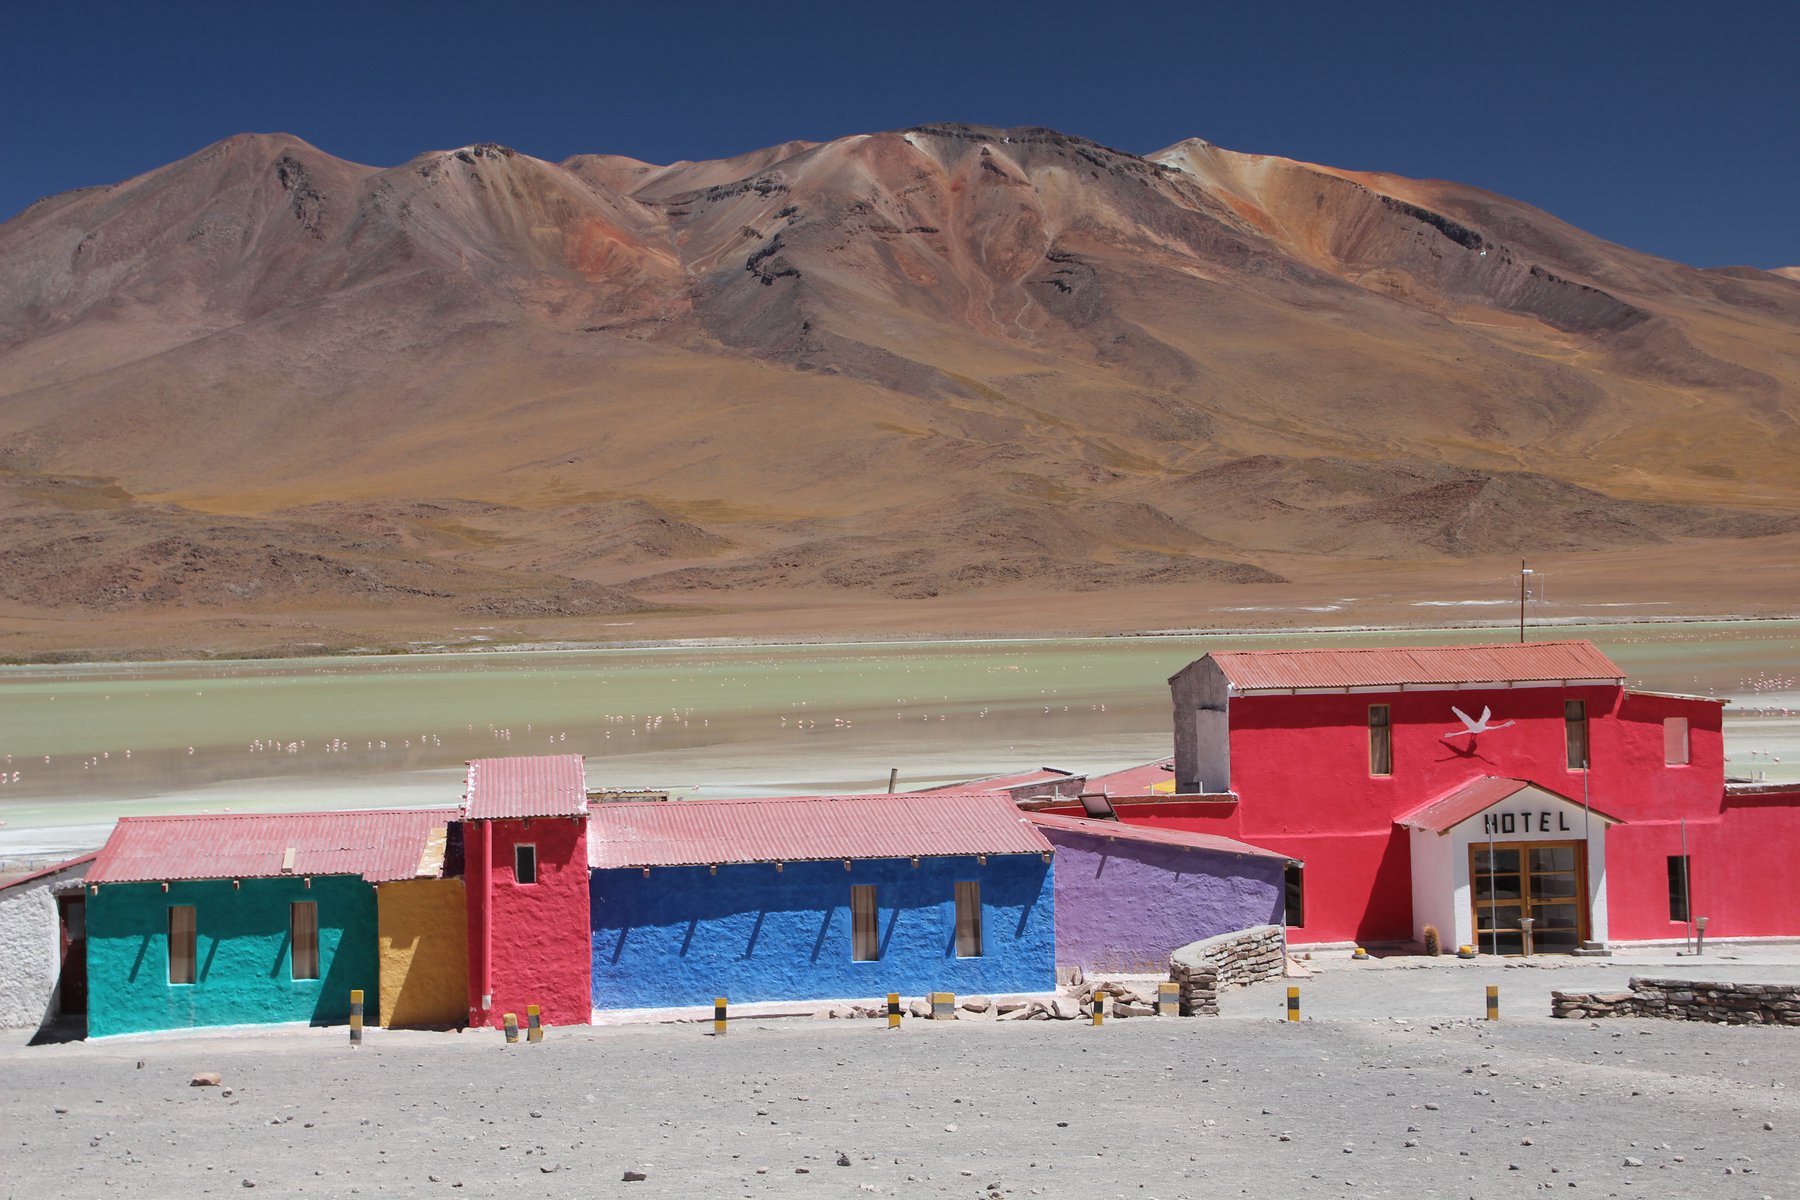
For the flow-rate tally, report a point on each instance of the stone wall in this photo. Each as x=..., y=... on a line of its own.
x=1228, y=960
x=1687, y=1000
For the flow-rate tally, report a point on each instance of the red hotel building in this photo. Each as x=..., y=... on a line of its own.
x=1599, y=812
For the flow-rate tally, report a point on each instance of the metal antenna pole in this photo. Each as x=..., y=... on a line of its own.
x=1522, y=573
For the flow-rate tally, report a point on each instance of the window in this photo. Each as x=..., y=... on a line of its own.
x=524, y=863
x=181, y=943
x=1678, y=887
x=1675, y=742
x=303, y=932
x=968, y=919
x=1381, y=741
x=1296, y=895
x=863, y=944
x=1575, y=733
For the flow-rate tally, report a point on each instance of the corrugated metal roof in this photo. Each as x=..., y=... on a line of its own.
x=1159, y=835
x=806, y=828
x=1146, y=779
x=1447, y=812
x=1524, y=662
x=379, y=844
x=550, y=785
x=59, y=868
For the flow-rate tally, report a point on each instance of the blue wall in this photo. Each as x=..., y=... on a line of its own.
x=242, y=956
x=683, y=935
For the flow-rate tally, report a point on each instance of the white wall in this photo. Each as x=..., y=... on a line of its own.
x=30, y=956
x=1441, y=862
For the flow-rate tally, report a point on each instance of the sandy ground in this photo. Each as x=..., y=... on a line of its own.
x=1390, y=1086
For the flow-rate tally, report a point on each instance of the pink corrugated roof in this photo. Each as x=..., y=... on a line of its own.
x=1156, y=834
x=1526, y=662
x=379, y=844
x=1447, y=812
x=803, y=828
x=551, y=785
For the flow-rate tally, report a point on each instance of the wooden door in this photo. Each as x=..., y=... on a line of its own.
x=72, y=918
x=1546, y=881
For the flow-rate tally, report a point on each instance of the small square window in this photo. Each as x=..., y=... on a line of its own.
x=524, y=863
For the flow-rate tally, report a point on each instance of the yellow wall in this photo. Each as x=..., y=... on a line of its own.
x=424, y=953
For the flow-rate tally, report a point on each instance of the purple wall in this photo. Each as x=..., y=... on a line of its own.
x=1123, y=905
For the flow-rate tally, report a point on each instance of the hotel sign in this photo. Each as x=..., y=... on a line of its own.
x=1528, y=821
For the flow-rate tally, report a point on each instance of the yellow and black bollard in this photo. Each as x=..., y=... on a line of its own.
x=1293, y=1007
x=893, y=1010
x=1168, y=999
x=718, y=1016
x=512, y=1027
x=534, y=1025
x=356, y=1016
x=1493, y=997
x=1099, y=1008
x=943, y=1006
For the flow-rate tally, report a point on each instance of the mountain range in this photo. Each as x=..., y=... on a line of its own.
x=264, y=385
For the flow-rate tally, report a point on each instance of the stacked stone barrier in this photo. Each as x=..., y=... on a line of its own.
x=1687, y=1000
x=1229, y=960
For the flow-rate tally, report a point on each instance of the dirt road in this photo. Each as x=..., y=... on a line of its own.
x=1340, y=1105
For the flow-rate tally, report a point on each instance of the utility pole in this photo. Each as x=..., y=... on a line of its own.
x=1524, y=574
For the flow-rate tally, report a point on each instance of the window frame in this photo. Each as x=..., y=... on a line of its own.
x=1576, y=733
x=967, y=893
x=1293, y=895
x=1381, y=741
x=186, y=936
x=303, y=940
x=865, y=924
x=1673, y=726
x=520, y=852
x=1681, y=888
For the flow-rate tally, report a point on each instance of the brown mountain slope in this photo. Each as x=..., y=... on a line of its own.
x=908, y=364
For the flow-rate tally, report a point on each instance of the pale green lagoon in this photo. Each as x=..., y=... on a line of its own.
x=81, y=745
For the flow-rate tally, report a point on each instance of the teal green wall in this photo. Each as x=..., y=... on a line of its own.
x=242, y=971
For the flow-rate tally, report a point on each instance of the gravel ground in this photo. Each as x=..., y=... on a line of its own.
x=1390, y=1086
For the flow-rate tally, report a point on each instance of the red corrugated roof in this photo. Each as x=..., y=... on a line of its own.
x=1527, y=662
x=803, y=828
x=60, y=867
x=551, y=785
x=1150, y=833
x=379, y=845
x=1447, y=812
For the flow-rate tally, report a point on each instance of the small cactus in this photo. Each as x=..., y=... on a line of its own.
x=1434, y=945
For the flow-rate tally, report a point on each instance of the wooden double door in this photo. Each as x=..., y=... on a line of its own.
x=1546, y=881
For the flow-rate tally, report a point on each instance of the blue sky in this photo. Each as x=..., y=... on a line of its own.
x=1672, y=128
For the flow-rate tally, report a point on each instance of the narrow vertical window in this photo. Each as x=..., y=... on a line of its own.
x=1675, y=741
x=1575, y=733
x=1381, y=741
x=303, y=926
x=968, y=919
x=864, y=947
x=1678, y=887
x=524, y=863
x=181, y=943
x=1295, y=887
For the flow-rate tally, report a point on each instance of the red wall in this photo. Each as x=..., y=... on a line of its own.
x=1300, y=767
x=540, y=939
